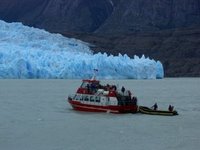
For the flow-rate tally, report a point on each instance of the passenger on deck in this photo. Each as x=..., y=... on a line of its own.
x=129, y=94
x=93, y=88
x=114, y=87
x=155, y=106
x=88, y=88
x=123, y=89
x=107, y=87
x=134, y=100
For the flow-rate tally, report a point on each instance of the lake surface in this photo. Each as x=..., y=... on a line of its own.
x=34, y=115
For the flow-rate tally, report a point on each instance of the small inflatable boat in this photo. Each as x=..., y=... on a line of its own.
x=147, y=110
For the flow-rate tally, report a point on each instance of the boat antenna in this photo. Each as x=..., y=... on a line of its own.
x=94, y=74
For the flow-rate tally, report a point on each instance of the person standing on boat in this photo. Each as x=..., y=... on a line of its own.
x=134, y=100
x=155, y=106
x=123, y=89
x=171, y=108
x=88, y=88
x=93, y=88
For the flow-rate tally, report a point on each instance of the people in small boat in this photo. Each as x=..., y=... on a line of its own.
x=155, y=106
x=171, y=108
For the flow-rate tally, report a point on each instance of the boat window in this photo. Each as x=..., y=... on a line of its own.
x=97, y=99
x=74, y=97
x=81, y=97
x=86, y=98
x=77, y=97
x=92, y=98
x=84, y=84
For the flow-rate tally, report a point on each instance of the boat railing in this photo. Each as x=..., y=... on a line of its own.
x=126, y=100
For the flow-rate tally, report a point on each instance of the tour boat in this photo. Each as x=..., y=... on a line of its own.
x=91, y=96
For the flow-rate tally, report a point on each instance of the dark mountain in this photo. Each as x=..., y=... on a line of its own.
x=58, y=15
x=147, y=15
x=168, y=30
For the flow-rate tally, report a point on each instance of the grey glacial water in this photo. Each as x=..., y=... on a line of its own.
x=34, y=115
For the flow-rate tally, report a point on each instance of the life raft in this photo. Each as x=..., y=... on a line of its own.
x=149, y=111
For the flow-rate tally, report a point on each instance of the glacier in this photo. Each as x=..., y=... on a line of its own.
x=31, y=53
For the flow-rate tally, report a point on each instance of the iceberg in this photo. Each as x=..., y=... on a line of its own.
x=31, y=53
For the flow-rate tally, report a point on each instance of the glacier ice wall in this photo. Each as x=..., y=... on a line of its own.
x=27, y=52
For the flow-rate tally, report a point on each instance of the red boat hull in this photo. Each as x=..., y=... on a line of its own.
x=111, y=109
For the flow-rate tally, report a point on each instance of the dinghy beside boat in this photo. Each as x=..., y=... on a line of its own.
x=149, y=111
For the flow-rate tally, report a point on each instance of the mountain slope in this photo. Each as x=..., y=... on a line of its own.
x=58, y=15
x=104, y=16
x=147, y=15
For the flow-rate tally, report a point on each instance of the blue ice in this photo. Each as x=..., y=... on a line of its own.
x=27, y=52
